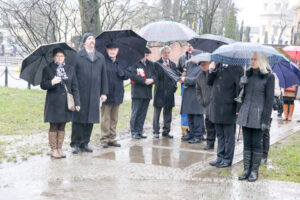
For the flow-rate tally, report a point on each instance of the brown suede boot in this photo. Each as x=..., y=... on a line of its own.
x=53, y=144
x=60, y=141
x=285, y=111
x=291, y=111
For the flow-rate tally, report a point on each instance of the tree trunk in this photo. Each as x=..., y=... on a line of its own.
x=90, y=19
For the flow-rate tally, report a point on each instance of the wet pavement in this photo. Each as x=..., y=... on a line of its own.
x=143, y=169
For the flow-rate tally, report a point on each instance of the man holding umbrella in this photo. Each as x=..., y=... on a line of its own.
x=92, y=84
x=165, y=87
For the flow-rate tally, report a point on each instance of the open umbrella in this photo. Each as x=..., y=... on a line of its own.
x=166, y=31
x=174, y=75
x=287, y=72
x=34, y=63
x=240, y=53
x=209, y=42
x=293, y=52
x=202, y=57
x=131, y=45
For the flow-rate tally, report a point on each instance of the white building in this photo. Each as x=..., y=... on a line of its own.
x=276, y=22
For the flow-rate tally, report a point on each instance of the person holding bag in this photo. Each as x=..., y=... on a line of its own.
x=289, y=97
x=59, y=79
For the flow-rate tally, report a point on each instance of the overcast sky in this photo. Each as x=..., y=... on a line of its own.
x=249, y=10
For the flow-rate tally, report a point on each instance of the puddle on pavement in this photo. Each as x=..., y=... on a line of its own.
x=156, y=156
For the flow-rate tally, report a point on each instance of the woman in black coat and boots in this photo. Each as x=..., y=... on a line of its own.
x=255, y=113
x=55, y=77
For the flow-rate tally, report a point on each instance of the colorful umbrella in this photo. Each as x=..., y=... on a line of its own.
x=293, y=52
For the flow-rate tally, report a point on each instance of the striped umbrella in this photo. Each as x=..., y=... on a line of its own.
x=166, y=31
x=240, y=53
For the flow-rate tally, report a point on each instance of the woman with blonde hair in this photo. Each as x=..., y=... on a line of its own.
x=255, y=113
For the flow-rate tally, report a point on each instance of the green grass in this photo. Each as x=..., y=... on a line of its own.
x=284, y=161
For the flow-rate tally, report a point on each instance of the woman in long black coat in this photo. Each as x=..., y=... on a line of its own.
x=255, y=113
x=55, y=77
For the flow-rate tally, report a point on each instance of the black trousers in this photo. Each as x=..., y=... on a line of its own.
x=226, y=142
x=167, y=114
x=252, y=139
x=196, y=125
x=139, y=108
x=81, y=134
x=211, y=131
x=266, y=141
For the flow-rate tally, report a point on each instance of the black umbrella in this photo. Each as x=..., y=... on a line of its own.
x=131, y=45
x=170, y=72
x=34, y=63
x=209, y=42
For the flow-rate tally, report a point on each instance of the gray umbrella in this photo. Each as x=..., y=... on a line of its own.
x=166, y=31
x=203, y=57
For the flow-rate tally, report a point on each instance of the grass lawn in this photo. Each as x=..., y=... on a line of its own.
x=284, y=161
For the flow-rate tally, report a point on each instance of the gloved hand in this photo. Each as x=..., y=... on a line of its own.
x=77, y=108
x=264, y=127
x=243, y=80
x=55, y=80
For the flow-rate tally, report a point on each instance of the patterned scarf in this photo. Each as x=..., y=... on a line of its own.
x=60, y=71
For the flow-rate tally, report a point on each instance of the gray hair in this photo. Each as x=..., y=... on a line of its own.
x=164, y=48
x=263, y=62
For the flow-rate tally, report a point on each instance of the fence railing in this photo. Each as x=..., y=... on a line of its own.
x=7, y=73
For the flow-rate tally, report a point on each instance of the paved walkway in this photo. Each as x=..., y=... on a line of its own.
x=142, y=169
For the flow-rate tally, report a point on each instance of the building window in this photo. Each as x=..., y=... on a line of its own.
x=277, y=6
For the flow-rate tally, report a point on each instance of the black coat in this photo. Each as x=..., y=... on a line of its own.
x=165, y=87
x=92, y=82
x=225, y=87
x=56, y=108
x=258, y=98
x=117, y=72
x=138, y=87
x=181, y=62
x=190, y=103
x=203, y=91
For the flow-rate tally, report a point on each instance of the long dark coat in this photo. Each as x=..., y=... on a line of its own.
x=92, y=82
x=165, y=87
x=258, y=98
x=203, y=91
x=138, y=87
x=56, y=108
x=181, y=61
x=225, y=87
x=190, y=103
x=117, y=72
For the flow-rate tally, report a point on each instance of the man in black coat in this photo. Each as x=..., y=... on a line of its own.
x=142, y=78
x=164, y=90
x=224, y=80
x=92, y=85
x=117, y=72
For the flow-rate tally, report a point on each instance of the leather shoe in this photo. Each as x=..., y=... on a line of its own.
x=223, y=165
x=136, y=137
x=194, y=141
x=214, y=163
x=75, y=150
x=87, y=149
x=143, y=136
x=168, y=136
x=156, y=135
x=104, y=145
x=208, y=147
x=114, y=144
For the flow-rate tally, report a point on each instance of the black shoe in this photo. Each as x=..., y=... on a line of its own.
x=208, y=147
x=156, y=135
x=75, y=150
x=256, y=158
x=186, y=138
x=143, y=136
x=168, y=136
x=214, y=163
x=114, y=144
x=247, y=166
x=136, y=137
x=87, y=149
x=223, y=165
x=194, y=141
x=104, y=145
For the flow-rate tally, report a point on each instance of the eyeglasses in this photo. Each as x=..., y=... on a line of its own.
x=59, y=56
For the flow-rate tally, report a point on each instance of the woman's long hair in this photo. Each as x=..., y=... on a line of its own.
x=263, y=63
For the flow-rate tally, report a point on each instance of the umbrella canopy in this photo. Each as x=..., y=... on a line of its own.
x=170, y=72
x=293, y=52
x=166, y=31
x=240, y=53
x=203, y=57
x=34, y=63
x=287, y=72
x=209, y=42
x=131, y=45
